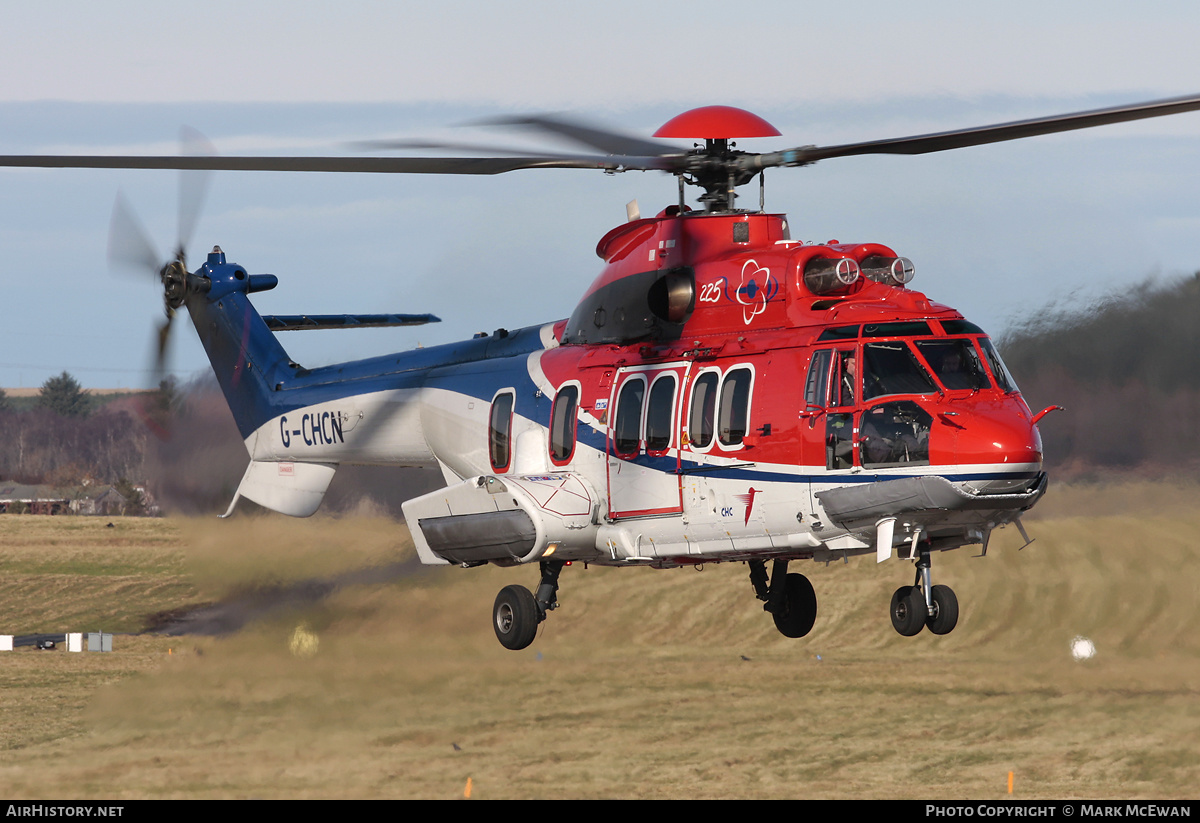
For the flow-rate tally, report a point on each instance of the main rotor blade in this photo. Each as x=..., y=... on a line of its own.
x=962, y=138
x=389, y=145
x=607, y=141
x=369, y=165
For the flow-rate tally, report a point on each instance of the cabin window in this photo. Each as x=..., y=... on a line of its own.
x=660, y=413
x=562, y=424
x=892, y=368
x=955, y=363
x=703, y=413
x=734, y=407
x=500, y=431
x=628, y=421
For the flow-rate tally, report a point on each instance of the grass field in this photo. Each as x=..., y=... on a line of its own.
x=645, y=684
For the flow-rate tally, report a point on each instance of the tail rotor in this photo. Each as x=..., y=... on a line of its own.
x=130, y=247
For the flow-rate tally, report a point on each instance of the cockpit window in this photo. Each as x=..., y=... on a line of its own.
x=999, y=371
x=839, y=333
x=955, y=363
x=892, y=368
x=960, y=327
x=816, y=390
x=911, y=328
x=895, y=433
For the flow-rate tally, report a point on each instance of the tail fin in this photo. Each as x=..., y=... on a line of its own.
x=249, y=362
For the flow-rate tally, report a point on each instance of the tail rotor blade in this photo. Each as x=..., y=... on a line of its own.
x=163, y=337
x=193, y=187
x=129, y=245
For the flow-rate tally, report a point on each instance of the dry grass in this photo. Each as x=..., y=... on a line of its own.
x=638, y=687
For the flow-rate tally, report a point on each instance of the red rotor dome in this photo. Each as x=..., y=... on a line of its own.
x=716, y=123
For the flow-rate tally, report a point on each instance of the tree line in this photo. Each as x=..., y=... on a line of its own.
x=1126, y=369
x=65, y=438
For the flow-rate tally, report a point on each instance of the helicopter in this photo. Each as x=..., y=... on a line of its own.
x=721, y=392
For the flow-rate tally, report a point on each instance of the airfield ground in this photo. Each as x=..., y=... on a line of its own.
x=645, y=684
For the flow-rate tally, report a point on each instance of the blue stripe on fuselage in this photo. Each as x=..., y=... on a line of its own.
x=261, y=383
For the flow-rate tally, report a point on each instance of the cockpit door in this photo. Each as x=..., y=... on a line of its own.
x=830, y=394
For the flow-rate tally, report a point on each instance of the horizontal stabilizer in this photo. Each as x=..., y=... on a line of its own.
x=294, y=489
x=297, y=322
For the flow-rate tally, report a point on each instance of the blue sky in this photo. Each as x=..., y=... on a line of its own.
x=996, y=231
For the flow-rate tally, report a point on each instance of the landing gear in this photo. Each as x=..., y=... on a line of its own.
x=518, y=611
x=908, y=610
x=945, y=610
x=923, y=604
x=515, y=617
x=789, y=597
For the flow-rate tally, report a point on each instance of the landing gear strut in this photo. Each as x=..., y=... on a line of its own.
x=518, y=611
x=789, y=597
x=923, y=604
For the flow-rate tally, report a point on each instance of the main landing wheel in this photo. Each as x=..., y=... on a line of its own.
x=800, y=607
x=945, y=610
x=908, y=610
x=515, y=617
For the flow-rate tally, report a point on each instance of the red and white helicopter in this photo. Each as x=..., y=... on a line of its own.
x=721, y=392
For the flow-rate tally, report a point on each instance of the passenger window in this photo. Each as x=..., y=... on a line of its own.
x=628, y=422
x=562, y=424
x=660, y=414
x=703, y=413
x=734, y=407
x=500, y=431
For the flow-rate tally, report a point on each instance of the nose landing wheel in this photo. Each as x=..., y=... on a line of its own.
x=908, y=610
x=923, y=604
x=945, y=610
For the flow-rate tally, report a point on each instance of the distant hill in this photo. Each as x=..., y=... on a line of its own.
x=1127, y=371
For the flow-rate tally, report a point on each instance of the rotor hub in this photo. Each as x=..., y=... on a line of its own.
x=175, y=283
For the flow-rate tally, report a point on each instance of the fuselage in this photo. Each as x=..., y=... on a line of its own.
x=699, y=405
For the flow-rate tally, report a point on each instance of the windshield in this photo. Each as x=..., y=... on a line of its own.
x=999, y=371
x=892, y=368
x=955, y=363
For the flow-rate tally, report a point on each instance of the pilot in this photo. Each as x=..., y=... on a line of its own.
x=848, y=379
x=889, y=437
x=953, y=371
